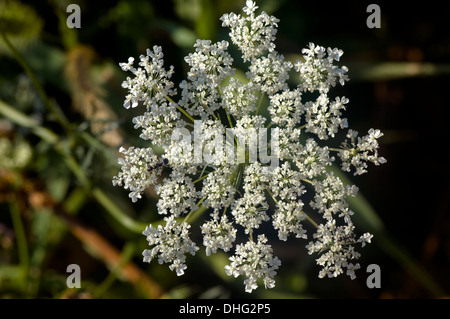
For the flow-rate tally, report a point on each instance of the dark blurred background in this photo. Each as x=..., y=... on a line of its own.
x=57, y=204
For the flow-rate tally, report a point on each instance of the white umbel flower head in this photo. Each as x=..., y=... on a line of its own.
x=248, y=148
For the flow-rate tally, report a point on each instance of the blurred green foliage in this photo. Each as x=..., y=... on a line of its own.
x=62, y=121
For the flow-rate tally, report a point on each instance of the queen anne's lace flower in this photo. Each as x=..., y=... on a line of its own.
x=215, y=155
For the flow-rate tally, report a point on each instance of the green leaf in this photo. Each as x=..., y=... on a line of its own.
x=117, y=213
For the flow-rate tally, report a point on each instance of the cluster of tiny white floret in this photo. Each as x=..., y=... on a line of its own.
x=254, y=35
x=238, y=98
x=172, y=243
x=178, y=195
x=243, y=196
x=218, y=233
x=151, y=82
x=135, y=175
x=254, y=260
x=318, y=71
x=323, y=117
x=357, y=154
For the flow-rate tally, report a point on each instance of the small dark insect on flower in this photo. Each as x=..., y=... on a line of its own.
x=163, y=162
x=347, y=239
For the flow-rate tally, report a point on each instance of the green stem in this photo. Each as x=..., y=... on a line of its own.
x=229, y=119
x=168, y=98
x=226, y=112
x=235, y=176
x=19, y=231
x=336, y=149
x=185, y=113
x=224, y=211
x=127, y=254
x=23, y=120
x=259, y=104
x=311, y=220
x=201, y=178
x=116, y=212
x=193, y=215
